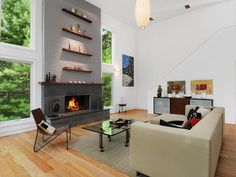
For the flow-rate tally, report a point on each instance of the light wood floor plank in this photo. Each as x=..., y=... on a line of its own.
x=17, y=158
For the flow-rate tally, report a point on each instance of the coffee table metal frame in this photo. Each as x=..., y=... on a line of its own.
x=115, y=130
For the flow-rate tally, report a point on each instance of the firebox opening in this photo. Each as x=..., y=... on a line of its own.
x=76, y=103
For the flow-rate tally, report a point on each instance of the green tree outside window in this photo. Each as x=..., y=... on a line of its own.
x=14, y=90
x=107, y=89
x=106, y=46
x=15, y=22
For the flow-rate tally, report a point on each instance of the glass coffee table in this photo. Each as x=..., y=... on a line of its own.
x=109, y=129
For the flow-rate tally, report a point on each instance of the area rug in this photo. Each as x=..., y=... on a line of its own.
x=115, y=155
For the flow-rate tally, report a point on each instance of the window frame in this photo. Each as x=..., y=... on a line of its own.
x=32, y=31
x=109, y=68
x=31, y=75
x=32, y=55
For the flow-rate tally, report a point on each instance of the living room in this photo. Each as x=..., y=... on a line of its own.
x=55, y=52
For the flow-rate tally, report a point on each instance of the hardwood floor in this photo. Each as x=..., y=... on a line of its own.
x=17, y=158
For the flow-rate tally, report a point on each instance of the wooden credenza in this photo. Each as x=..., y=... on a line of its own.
x=177, y=105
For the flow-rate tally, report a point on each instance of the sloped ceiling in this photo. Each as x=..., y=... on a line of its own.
x=161, y=9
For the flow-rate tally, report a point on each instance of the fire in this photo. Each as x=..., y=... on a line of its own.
x=73, y=105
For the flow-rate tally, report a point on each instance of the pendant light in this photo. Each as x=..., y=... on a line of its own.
x=142, y=13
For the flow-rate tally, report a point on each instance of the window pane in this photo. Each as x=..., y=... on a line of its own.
x=106, y=46
x=107, y=89
x=14, y=91
x=15, y=22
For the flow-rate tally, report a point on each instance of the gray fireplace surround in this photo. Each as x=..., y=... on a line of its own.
x=55, y=59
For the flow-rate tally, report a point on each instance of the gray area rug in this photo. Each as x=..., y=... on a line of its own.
x=115, y=155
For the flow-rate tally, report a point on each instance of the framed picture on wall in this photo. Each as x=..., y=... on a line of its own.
x=200, y=86
x=176, y=87
x=127, y=71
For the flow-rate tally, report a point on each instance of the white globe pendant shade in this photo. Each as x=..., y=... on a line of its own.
x=142, y=13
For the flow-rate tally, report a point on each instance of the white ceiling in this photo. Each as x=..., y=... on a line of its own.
x=161, y=9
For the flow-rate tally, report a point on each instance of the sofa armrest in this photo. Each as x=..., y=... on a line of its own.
x=154, y=148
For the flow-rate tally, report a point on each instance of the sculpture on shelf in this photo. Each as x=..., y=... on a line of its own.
x=159, y=90
x=54, y=78
x=48, y=77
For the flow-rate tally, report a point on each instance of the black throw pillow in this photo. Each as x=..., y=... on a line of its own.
x=193, y=113
x=168, y=124
x=176, y=122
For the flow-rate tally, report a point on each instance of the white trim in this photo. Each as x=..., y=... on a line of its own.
x=32, y=31
x=33, y=56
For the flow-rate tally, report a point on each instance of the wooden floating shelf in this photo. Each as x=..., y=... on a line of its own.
x=80, y=53
x=74, y=14
x=77, y=70
x=70, y=83
x=78, y=34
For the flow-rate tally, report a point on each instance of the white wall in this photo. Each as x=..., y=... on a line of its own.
x=196, y=45
x=124, y=43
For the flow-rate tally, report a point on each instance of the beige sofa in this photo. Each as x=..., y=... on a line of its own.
x=159, y=151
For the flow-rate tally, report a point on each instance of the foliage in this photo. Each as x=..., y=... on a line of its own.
x=15, y=22
x=107, y=89
x=107, y=58
x=14, y=90
x=106, y=46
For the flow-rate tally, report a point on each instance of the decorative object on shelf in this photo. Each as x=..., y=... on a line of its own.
x=77, y=52
x=77, y=12
x=72, y=11
x=142, y=13
x=77, y=68
x=203, y=94
x=159, y=90
x=48, y=77
x=78, y=29
x=77, y=33
x=54, y=77
x=77, y=48
x=73, y=28
x=176, y=86
x=173, y=94
x=199, y=86
x=73, y=46
x=127, y=71
x=82, y=49
x=181, y=94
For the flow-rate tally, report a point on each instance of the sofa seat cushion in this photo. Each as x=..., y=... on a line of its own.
x=167, y=118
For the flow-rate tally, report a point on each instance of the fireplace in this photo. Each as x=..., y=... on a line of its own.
x=76, y=103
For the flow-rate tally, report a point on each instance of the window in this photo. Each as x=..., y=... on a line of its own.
x=107, y=66
x=14, y=90
x=15, y=22
x=106, y=46
x=107, y=90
